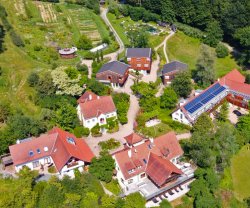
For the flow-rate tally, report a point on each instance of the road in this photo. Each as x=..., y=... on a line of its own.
x=113, y=56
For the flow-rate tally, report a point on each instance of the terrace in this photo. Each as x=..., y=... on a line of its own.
x=149, y=190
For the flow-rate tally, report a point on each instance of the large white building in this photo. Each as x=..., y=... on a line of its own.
x=231, y=87
x=93, y=109
x=56, y=148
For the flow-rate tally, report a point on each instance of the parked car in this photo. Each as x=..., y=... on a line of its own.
x=237, y=113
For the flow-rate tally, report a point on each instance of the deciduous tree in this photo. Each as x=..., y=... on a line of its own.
x=64, y=84
x=169, y=98
x=182, y=84
x=102, y=167
x=205, y=74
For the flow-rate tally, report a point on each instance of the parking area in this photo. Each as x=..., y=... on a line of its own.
x=235, y=112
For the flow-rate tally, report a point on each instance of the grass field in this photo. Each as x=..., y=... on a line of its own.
x=240, y=173
x=186, y=49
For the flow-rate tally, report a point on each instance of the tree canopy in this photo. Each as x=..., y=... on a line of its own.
x=182, y=84
x=102, y=167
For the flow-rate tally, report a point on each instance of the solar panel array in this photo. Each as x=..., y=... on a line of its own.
x=204, y=98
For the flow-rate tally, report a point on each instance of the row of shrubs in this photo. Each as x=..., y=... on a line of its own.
x=16, y=39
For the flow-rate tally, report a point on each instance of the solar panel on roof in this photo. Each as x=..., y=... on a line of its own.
x=207, y=99
x=218, y=91
x=204, y=98
x=195, y=108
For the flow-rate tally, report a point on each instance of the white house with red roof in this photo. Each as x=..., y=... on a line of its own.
x=93, y=109
x=56, y=148
x=150, y=166
x=231, y=87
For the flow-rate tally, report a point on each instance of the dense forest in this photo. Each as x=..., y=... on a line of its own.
x=221, y=19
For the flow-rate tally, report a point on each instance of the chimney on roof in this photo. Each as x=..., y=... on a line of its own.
x=90, y=97
x=18, y=141
x=135, y=150
x=98, y=97
x=129, y=153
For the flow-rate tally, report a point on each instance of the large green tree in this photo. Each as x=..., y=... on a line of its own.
x=135, y=200
x=205, y=74
x=102, y=167
x=182, y=84
x=213, y=34
x=168, y=99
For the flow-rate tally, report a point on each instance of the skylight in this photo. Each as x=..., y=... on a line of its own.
x=38, y=151
x=71, y=141
x=144, y=160
x=31, y=153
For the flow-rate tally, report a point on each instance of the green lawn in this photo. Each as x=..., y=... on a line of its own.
x=113, y=187
x=186, y=49
x=240, y=170
x=13, y=87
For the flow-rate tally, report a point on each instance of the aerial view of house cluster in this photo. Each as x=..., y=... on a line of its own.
x=124, y=104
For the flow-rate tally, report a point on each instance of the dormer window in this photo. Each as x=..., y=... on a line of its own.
x=71, y=141
x=38, y=151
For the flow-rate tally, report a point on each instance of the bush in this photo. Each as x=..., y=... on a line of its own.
x=82, y=68
x=109, y=144
x=1, y=71
x=16, y=39
x=221, y=51
x=84, y=43
x=89, y=55
x=247, y=78
x=190, y=31
x=95, y=131
x=33, y=79
x=52, y=169
x=121, y=101
x=80, y=131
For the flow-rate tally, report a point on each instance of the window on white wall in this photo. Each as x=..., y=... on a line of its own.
x=130, y=181
x=35, y=164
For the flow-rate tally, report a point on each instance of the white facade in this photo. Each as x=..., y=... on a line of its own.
x=128, y=186
x=178, y=115
x=181, y=117
x=35, y=164
x=91, y=122
x=45, y=161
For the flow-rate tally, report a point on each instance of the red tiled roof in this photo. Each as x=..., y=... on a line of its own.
x=95, y=106
x=235, y=81
x=133, y=138
x=160, y=169
x=140, y=154
x=234, y=75
x=88, y=95
x=58, y=148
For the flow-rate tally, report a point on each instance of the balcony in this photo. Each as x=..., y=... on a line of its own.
x=72, y=164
